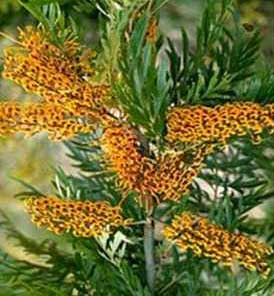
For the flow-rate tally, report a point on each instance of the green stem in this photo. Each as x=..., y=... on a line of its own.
x=173, y=282
x=125, y=278
x=149, y=254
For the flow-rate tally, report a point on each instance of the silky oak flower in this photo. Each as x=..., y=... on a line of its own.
x=81, y=218
x=205, y=239
x=201, y=124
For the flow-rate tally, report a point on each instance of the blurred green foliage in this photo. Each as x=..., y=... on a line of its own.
x=10, y=12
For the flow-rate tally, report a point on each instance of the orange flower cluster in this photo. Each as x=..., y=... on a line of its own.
x=36, y=117
x=56, y=74
x=51, y=72
x=122, y=148
x=165, y=178
x=191, y=232
x=83, y=219
x=171, y=176
x=200, y=124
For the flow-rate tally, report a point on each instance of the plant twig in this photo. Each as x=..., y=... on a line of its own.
x=149, y=253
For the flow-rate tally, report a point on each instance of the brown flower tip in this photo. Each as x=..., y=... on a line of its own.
x=200, y=124
x=83, y=219
x=204, y=239
x=152, y=30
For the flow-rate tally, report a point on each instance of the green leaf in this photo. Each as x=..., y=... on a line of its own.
x=33, y=190
x=36, y=12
